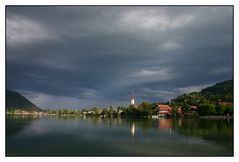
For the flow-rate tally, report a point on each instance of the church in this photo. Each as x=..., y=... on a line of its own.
x=132, y=100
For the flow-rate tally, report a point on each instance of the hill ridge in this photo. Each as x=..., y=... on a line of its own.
x=15, y=100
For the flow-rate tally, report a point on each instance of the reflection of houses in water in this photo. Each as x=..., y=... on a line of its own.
x=133, y=129
x=180, y=122
x=165, y=124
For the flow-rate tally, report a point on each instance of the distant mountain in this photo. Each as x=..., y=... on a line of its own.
x=222, y=91
x=14, y=100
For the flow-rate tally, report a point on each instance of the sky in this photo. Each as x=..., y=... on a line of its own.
x=86, y=56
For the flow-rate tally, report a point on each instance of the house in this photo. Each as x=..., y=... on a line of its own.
x=193, y=108
x=192, y=111
x=226, y=103
x=164, y=110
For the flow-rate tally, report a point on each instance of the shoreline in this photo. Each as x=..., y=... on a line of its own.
x=129, y=117
x=216, y=117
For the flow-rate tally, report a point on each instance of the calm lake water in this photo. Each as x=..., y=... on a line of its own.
x=78, y=136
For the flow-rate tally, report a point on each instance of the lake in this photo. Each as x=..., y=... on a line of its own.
x=88, y=136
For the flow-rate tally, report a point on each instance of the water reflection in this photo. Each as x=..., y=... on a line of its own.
x=217, y=131
x=180, y=122
x=63, y=136
x=17, y=123
x=165, y=124
x=133, y=129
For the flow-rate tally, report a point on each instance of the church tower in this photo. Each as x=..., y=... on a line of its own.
x=132, y=101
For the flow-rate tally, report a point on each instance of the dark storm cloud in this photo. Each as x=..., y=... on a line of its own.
x=86, y=56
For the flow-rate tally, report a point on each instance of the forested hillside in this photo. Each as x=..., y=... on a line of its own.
x=14, y=101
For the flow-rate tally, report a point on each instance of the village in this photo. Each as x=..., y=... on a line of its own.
x=144, y=109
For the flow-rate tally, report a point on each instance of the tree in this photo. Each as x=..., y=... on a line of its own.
x=229, y=110
x=186, y=108
x=111, y=111
x=132, y=111
x=121, y=110
x=96, y=111
x=104, y=111
x=174, y=111
x=145, y=109
x=145, y=105
x=84, y=110
x=206, y=109
x=220, y=109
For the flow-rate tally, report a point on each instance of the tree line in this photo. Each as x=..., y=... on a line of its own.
x=145, y=109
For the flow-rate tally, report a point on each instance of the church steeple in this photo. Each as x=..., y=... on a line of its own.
x=132, y=101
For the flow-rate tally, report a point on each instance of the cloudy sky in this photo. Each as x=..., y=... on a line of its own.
x=79, y=56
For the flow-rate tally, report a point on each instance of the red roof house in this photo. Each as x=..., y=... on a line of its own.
x=164, y=109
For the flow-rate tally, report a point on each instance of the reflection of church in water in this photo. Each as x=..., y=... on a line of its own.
x=164, y=124
x=133, y=129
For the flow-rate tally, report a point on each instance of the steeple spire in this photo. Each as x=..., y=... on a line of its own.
x=132, y=98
